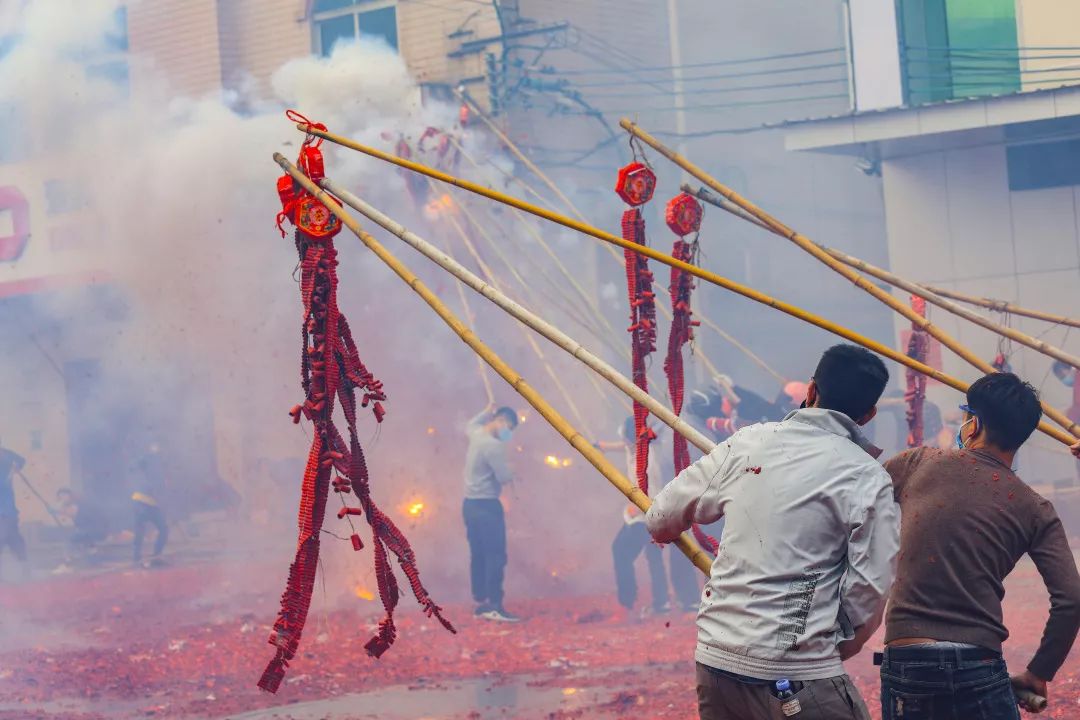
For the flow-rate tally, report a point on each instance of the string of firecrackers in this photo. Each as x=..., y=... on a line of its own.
x=1072, y=429
x=683, y=216
x=332, y=372
x=635, y=185
x=915, y=394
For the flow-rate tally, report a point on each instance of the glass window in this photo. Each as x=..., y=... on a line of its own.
x=381, y=23
x=328, y=5
x=1043, y=165
x=335, y=30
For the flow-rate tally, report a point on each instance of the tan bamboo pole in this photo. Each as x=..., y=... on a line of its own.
x=481, y=367
x=530, y=341
x=1004, y=306
x=958, y=310
x=706, y=275
x=527, y=290
x=931, y=296
x=595, y=458
x=661, y=291
x=524, y=315
x=812, y=248
x=552, y=255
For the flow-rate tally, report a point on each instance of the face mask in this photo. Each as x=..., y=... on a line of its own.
x=1069, y=380
x=504, y=434
x=960, y=435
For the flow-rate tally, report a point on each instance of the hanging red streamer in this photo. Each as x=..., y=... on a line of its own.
x=331, y=372
x=683, y=216
x=915, y=394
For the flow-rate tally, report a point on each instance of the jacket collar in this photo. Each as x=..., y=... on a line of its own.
x=838, y=424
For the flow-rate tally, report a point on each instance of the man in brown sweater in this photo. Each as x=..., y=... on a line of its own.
x=966, y=519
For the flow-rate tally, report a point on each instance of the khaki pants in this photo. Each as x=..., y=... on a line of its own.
x=724, y=698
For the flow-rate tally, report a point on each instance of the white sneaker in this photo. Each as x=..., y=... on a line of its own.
x=500, y=615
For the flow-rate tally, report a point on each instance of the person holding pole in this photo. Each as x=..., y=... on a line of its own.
x=808, y=550
x=968, y=519
x=146, y=501
x=487, y=470
x=11, y=463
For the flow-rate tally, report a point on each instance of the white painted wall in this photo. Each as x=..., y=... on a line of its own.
x=952, y=221
x=875, y=54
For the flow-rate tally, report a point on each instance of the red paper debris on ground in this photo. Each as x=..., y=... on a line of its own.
x=172, y=643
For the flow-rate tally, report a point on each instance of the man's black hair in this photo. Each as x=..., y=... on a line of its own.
x=509, y=413
x=850, y=379
x=1007, y=407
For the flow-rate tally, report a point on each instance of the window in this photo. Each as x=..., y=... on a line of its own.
x=1043, y=165
x=336, y=21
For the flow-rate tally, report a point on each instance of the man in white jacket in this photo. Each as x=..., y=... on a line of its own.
x=807, y=556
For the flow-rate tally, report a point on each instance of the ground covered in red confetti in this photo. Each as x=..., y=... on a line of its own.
x=190, y=642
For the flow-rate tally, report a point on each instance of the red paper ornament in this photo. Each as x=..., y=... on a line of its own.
x=635, y=184
x=683, y=214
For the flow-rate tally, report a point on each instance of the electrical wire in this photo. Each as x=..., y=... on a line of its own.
x=716, y=91
x=729, y=76
x=719, y=106
x=684, y=66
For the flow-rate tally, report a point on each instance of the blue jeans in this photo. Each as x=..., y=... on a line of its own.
x=927, y=683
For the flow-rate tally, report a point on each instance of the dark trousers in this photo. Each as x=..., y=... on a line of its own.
x=11, y=537
x=153, y=515
x=726, y=696
x=946, y=684
x=485, y=527
x=629, y=542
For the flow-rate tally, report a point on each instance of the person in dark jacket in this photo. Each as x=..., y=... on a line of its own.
x=147, y=499
x=10, y=537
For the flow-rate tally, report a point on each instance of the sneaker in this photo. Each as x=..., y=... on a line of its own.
x=62, y=569
x=481, y=610
x=647, y=611
x=500, y=615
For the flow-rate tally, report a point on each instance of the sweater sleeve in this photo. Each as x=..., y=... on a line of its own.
x=1055, y=562
x=693, y=496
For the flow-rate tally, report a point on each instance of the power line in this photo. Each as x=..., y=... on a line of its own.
x=684, y=66
x=756, y=73
x=715, y=91
x=720, y=106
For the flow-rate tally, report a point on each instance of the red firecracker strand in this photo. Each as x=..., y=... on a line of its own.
x=331, y=370
x=915, y=394
x=682, y=332
x=643, y=333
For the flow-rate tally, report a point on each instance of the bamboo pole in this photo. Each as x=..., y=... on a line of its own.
x=524, y=315
x=481, y=367
x=958, y=310
x=911, y=287
x=516, y=151
x=1004, y=306
x=631, y=491
x=649, y=252
x=530, y=341
x=813, y=249
x=527, y=290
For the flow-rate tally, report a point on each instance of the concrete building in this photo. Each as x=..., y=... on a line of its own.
x=970, y=114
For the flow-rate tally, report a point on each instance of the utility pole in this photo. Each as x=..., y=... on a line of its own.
x=677, y=78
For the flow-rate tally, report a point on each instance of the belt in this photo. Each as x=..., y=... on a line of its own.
x=915, y=654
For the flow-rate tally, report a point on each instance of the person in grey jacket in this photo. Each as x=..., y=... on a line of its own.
x=808, y=552
x=486, y=472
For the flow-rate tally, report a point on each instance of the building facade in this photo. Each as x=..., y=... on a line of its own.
x=977, y=163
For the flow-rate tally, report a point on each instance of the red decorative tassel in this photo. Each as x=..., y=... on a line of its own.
x=915, y=394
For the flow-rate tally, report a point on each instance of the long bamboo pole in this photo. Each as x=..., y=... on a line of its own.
x=481, y=367
x=958, y=310
x=631, y=491
x=812, y=248
x=649, y=252
x=1004, y=306
x=523, y=315
x=528, y=292
x=908, y=286
x=525, y=160
x=529, y=340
